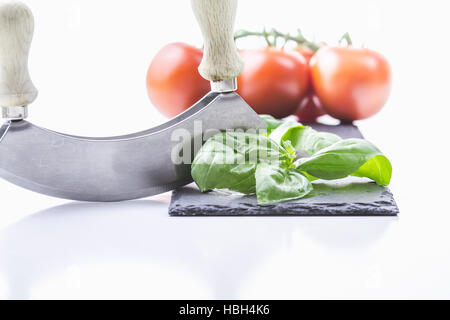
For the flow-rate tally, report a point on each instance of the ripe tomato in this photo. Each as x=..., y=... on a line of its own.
x=306, y=52
x=352, y=84
x=310, y=108
x=173, y=81
x=274, y=81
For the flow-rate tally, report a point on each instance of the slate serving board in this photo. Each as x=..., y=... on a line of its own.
x=346, y=197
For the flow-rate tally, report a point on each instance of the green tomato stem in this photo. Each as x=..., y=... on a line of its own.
x=272, y=37
x=347, y=39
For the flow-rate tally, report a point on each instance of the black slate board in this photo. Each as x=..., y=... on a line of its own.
x=347, y=197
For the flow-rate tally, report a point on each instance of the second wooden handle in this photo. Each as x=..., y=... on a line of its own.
x=16, y=33
x=221, y=60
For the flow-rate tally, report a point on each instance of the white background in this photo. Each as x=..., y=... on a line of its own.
x=89, y=59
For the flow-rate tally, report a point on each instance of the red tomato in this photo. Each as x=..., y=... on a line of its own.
x=352, y=84
x=306, y=52
x=274, y=81
x=310, y=109
x=173, y=81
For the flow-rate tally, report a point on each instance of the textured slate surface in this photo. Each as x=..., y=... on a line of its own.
x=347, y=197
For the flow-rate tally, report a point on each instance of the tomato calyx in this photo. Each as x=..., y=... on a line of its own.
x=346, y=37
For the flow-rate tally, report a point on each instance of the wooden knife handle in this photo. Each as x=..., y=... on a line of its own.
x=221, y=60
x=16, y=33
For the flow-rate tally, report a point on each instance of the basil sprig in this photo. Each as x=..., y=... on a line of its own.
x=332, y=157
x=252, y=163
x=303, y=138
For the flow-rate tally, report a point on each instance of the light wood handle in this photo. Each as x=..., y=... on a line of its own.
x=221, y=60
x=16, y=33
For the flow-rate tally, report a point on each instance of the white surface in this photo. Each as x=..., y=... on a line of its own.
x=134, y=250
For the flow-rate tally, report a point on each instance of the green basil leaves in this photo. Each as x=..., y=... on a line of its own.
x=229, y=160
x=303, y=138
x=348, y=157
x=251, y=163
x=275, y=184
x=271, y=123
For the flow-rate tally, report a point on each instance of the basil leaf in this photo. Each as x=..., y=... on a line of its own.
x=271, y=122
x=277, y=184
x=348, y=157
x=228, y=161
x=378, y=169
x=303, y=138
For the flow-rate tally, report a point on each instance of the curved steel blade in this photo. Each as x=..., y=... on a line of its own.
x=116, y=168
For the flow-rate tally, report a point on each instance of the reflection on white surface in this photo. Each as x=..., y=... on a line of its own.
x=113, y=279
x=135, y=250
x=344, y=232
x=3, y=288
x=328, y=258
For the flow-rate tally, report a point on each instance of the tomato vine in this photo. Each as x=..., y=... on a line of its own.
x=271, y=37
